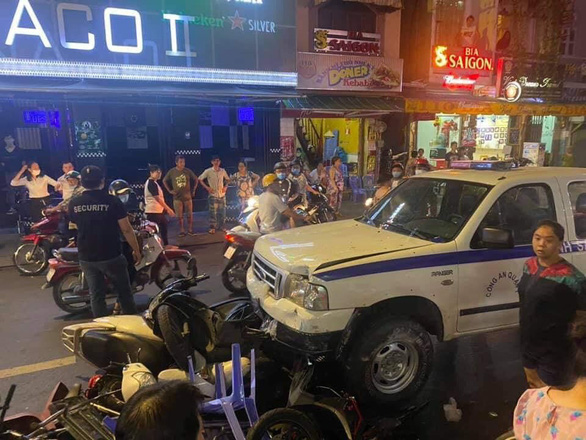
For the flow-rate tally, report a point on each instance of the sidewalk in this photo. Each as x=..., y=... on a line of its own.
x=9, y=238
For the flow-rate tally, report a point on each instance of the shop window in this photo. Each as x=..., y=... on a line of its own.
x=347, y=16
x=577, y=192
x=519, y=210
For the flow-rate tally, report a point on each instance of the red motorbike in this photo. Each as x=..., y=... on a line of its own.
x=159, y=265
x=32, y=256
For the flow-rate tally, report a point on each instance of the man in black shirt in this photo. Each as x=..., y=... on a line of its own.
x=452, y=154
x=99, y=218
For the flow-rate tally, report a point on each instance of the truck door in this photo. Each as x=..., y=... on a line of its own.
x=574, y=199
x=488, y=278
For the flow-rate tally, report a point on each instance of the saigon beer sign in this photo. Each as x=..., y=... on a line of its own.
x=464, y=60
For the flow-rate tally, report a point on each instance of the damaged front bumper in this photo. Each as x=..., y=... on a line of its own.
x=312, y=333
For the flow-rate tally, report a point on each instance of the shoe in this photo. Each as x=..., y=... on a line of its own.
x=191, y=234
x=181, y=234
x=212, y=231
x=12, y=211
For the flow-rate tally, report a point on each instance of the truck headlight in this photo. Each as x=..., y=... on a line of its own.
x=307, y=295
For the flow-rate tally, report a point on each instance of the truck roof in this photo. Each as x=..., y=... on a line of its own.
x=489, y=177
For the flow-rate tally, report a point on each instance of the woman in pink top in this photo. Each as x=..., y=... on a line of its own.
x=549, y=413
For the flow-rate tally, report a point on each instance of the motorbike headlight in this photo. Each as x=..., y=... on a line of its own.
x=252, y=202
x=305, y=294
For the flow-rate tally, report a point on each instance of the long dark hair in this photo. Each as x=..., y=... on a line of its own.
x=29, y=176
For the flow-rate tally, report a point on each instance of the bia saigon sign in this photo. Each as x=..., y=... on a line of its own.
x=464, y=58
x=227, y=34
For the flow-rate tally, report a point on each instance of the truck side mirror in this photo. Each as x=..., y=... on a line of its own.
x=495, y=238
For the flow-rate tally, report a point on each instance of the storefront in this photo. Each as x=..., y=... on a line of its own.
x=349, y=82
x=134, y=84
x=489, y=129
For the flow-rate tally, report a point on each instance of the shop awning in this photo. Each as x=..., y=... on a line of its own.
x=341, y=106
x=389, y=3
x=491, y=108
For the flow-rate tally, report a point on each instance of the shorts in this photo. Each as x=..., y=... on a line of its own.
x=182, y=206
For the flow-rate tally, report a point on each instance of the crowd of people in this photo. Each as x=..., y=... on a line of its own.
x=552, y=292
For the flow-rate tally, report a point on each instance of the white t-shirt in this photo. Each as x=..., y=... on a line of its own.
x=216, y=181
x=37, y=188
x=65, y=187
x=270, y=208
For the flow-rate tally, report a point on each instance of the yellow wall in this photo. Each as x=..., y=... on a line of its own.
x=349, y=142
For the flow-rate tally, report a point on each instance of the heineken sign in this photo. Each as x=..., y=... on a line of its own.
x=249, y=35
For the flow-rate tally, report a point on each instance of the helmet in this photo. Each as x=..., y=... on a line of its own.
x=297, y=162
x=73, y=175
x=119, y=187
x=280, y=166
x=268, y=180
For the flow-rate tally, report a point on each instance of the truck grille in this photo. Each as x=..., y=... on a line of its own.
x=268, y=274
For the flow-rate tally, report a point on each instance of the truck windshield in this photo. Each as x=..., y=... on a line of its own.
x=430, y=209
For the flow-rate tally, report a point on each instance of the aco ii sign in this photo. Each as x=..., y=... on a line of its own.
x=149, y=40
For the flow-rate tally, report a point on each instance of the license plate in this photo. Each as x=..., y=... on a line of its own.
x=50, y=275
x=230, y=252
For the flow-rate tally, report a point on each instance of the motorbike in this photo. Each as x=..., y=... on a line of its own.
x=240, y=240
x=33, y=254
x=240, y=245
x=248, y=219
x=159, y=265
x=318, y=209
x=174, y=327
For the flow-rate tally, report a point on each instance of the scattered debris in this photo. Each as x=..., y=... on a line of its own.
x=453, y=414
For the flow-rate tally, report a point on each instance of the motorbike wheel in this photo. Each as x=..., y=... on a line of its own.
x=30, y=259
x=107, y=384
x=66, y=294
x=171, y=324
x=327, y=216
x=284, y=423
x=181, y=267
x=232, y=282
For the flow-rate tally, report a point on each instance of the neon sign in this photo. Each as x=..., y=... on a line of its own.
x=82, y=39
x=460, y=82
x=470, y=59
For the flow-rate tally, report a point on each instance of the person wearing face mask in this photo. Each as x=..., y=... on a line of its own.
x=300, y=182
x=37, y=185
x=100, y=218
x=422, y=166
x=286, y=186
x=397, y=173
x=73, y=181
x=272, y=211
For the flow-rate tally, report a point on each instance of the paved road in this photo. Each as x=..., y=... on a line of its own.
x=482, y=372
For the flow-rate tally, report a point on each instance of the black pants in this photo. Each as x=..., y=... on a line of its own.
x=37, y=206
x=161, y=221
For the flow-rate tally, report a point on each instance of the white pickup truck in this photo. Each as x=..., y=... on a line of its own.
x=440, y=255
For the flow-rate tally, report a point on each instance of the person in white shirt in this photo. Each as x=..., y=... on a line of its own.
x=216, y=178
x=37, y=185
x=66, y=190
x=154, y=200
x=271, y=209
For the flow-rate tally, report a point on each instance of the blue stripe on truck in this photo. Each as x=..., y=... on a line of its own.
x=423, y=261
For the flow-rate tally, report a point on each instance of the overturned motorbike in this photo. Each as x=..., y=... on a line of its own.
x=173, y=328
x=159, y=265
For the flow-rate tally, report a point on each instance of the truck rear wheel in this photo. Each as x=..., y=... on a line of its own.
x=391, y=362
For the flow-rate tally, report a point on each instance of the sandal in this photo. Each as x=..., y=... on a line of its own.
x=212, y=231
x=117, y=309
x=191, y=234
x=181, y=234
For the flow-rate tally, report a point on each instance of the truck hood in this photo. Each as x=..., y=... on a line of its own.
x=305, y=249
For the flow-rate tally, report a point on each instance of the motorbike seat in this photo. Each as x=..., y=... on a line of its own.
x=102, y=347
x=69, y=254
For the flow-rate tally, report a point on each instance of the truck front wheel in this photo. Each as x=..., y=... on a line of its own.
x=390, y=362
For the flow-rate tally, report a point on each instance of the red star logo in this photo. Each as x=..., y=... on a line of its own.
x=237, y=21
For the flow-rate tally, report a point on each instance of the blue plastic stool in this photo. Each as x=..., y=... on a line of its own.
x=236, y=400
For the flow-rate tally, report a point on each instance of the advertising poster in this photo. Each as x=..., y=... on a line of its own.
x=531, y=79
x=348, y=72
x=88, y=135
x=464, y=38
